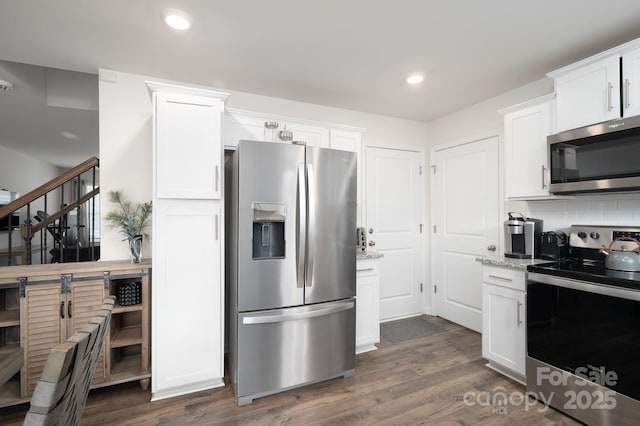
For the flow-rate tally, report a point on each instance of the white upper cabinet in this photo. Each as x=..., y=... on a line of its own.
x=345, y=140
x=188, y=149
x=631, y=83
x=263, y=127
x=526, y=129
x=600, y=88
x=242, y=127
x=311, y=135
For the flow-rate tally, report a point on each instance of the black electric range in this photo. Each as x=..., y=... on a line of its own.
x=587, y=263
x=582, y=328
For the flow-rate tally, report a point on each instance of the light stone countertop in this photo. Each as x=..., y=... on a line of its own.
x=368, y=254
x=511, y=262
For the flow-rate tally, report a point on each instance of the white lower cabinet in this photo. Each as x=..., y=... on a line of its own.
x=504, y=320
x=367, y=305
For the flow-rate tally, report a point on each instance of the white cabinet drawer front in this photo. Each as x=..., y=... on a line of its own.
x=505, y=277
x=366, y=267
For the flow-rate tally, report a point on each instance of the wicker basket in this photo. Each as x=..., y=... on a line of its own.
x=130, y=293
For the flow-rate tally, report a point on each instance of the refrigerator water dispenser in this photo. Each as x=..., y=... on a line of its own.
x=268, y=230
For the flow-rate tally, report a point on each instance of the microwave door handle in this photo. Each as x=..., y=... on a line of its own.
x=544, y=173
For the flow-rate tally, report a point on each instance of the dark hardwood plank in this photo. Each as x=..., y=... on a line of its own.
x=420, y=381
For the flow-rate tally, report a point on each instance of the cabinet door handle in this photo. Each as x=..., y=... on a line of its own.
x=519, y=320
x=217, y=179
x=544, y=175
x=500, y=278
x=217, y=228
x=62, y=309
x=627, y=103
x=609, y=90
x=69, y=311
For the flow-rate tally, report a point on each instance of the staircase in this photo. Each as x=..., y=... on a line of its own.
x=65, y=233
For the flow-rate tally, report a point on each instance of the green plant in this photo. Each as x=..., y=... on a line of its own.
x=131, y=219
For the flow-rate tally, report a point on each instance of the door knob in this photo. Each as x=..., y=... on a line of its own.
x=372, y=243
x=491, y=247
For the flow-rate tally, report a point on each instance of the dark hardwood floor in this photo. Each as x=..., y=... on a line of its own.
x=419, y=381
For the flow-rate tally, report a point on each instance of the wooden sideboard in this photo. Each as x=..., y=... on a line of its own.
x=41, y=305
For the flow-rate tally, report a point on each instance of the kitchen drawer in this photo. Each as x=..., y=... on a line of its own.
x=505, y=277
x=367, y=267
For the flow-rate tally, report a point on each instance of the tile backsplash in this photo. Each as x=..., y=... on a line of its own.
x=610, y=209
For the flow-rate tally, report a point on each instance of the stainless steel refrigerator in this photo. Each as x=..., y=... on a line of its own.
x=291, y=270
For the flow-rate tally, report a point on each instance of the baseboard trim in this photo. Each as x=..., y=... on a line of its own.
x=186, y=389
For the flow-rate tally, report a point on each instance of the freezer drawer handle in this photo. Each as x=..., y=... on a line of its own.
x=265, y=319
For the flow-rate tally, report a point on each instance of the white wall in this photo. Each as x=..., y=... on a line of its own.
x=126, y=138
x=483, y=116
x=21, y=173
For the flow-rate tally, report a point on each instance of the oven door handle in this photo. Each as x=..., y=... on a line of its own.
x=606, y=290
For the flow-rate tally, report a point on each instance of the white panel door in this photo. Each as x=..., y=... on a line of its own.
x=466, y=217
x=394, y=203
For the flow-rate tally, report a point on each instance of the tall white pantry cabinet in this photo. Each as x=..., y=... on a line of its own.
x=187, y=303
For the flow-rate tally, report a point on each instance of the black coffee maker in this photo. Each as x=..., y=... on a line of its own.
x=553, y=245
x=522, y=236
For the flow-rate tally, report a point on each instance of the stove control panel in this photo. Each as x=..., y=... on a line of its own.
x=597, y=236
x=626, y=234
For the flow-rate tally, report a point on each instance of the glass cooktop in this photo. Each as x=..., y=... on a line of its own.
x=594, y=272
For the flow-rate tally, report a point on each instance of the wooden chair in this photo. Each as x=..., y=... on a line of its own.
x=62, y=390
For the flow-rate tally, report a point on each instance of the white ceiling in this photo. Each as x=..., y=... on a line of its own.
x=353, y=54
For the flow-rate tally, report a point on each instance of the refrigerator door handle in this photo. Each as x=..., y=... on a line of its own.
x=302, y=226
x=312, y=221
x=271, y=318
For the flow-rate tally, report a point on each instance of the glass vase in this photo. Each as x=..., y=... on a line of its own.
x=135, y=249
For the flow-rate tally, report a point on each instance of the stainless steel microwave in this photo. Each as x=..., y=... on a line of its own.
x=600, y=157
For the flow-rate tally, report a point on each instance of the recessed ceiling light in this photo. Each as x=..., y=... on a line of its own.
x=415, y=78
x=176, y=19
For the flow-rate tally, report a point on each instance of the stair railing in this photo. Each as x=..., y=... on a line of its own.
x=55, y=220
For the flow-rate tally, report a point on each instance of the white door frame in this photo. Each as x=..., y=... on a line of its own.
x=499, y=133
x=423, y=270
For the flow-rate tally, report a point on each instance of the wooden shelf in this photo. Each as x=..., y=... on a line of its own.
x=10, y=393
x=126, y=367
x=9, y=318
x=126, y=336
x=118, y=309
